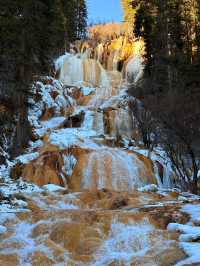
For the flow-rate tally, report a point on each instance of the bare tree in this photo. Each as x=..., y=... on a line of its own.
x=181, y=145
x=146, y=124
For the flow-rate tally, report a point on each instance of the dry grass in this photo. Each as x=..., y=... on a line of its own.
x=107, y=31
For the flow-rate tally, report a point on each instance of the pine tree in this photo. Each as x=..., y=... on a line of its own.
x=129, y=10
x=198, y=30
x=70, y=18
x=81, y=11
x=171, y=82
x=33, y=33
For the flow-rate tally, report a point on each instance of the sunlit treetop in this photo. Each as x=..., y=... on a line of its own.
x=129, y=9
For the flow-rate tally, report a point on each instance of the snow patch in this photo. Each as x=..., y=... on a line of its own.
x=189, y=233
x=46, y=101
x=193, y=251
x=53, y=122
x=3, y=229
x=86, y=91
x=69, y=164
x=69, y=137
x=26, y=158
x=53, y=188
x=61, y=205
x=149, y=188
x=193, y=210
x=4, y=217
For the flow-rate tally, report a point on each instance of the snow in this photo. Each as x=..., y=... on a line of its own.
x=45, y=102
x=69, y=164
x=189, y=234
x=4, y=171
x=9, y=189
x=61, y=205
x=88, y=120
x=61, y=102
x=149, y=188
x=46, y=97
x=26, y=158
x=193, y=251
x=9, y=207
x=193, y=210
x=20, y=203
x=40, y=132
x=3, y=229
x=87, y=91
x=35, y=144
x=58, y=85
x=186, y=229
x=53, y=188
x=4, y=217
x=65, y=138
x=115, y=101
x=53, y=122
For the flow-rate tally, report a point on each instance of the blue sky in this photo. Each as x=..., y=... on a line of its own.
x=104, y=10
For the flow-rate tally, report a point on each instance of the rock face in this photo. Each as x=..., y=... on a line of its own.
x=47, y=169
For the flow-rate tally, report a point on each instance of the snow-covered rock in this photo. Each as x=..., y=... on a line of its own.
x=3, y=229
x=149, y=188
x=193, y=210
x=49, y=101
x=190, y=234
x=65, y=138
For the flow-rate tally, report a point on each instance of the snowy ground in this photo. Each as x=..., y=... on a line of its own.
x=189, y=239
